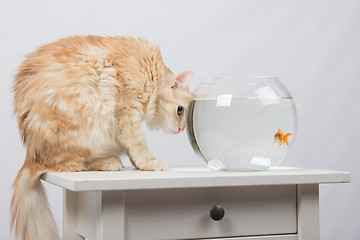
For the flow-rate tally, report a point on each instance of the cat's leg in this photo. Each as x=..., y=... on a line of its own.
x=133, y=140
x=70, y=159
x=104, y=164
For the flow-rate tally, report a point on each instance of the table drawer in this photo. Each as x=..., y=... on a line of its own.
x=185, y=213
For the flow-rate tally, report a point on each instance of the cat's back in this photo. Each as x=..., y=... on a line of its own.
x=68, y=67
x=72, y=58
x=62, y=55
x=70, y=79
x=83, y=72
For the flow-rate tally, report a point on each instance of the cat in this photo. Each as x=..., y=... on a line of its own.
x=79, y=103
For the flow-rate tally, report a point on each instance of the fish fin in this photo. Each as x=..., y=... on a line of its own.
x=280, y=132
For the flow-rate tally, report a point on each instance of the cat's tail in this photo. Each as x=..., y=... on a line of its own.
x=30, y=213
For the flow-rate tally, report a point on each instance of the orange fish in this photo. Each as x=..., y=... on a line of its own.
x=281, y=138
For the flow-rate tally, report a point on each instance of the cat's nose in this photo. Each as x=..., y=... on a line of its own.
x=180, y=130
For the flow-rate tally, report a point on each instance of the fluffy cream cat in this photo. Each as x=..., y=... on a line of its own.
x=79, y=104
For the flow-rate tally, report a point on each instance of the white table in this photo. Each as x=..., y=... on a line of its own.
x=281, y=204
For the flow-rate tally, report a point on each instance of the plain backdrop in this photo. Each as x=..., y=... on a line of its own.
x=313, y=46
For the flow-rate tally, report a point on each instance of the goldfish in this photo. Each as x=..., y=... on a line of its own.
x=281, y=138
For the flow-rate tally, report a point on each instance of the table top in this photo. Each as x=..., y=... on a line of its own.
x=189, y=177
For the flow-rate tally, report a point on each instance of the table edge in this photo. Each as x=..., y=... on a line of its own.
x=217, y=180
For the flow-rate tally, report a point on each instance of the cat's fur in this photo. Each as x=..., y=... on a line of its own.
x=79, y=104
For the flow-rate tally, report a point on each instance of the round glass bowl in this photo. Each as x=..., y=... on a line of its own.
x=241, y=123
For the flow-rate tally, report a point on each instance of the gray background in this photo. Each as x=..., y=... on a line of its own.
x=313, y=46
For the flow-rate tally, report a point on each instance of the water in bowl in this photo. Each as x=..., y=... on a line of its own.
x=238, y=133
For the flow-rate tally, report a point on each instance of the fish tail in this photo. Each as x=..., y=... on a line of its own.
x=286, y=138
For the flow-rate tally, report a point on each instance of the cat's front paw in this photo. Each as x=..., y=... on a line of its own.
x=153, y=164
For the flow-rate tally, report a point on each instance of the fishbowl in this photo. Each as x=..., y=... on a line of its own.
x=241, y=123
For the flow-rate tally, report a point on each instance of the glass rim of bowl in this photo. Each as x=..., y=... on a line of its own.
x=241, y=79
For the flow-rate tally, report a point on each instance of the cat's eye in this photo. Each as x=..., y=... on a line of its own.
x=180, y=110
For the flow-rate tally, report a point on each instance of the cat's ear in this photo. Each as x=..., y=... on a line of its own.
x=183, y=80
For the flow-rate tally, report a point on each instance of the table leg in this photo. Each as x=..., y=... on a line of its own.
x=100, y=215
x=70, y=216
x=308, y=211
x=113, y=216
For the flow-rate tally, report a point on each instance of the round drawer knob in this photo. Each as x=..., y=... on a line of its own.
x=217, y=212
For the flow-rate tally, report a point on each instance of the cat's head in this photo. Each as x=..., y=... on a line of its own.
x=173, y=99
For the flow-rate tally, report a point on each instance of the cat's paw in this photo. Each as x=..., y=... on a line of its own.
x=153, y=164
x=105, y=164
